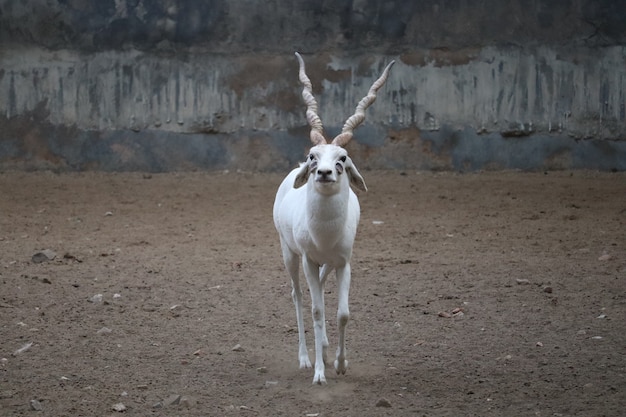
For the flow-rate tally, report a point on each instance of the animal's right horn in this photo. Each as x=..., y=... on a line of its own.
x=317, y=130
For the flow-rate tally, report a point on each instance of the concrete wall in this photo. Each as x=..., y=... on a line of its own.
x=164, y=85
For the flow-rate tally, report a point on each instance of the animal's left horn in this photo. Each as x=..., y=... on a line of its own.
x=358, y=117
x=317, y=130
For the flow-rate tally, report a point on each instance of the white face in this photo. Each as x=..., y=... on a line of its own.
x=327, y=164
x=327, y=167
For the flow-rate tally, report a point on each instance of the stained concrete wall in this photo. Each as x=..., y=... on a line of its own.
x=164, y=85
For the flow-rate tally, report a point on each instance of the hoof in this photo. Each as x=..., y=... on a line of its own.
x=319, y=379
x=341, y=367
x=305, y=362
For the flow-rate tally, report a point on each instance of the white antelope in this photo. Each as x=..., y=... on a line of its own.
x=318, y=223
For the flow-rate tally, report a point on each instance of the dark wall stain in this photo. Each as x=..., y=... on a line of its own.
x=233, y=26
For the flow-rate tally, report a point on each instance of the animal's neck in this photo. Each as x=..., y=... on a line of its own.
x=328, y=210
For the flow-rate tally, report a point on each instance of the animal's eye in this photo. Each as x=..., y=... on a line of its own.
x=343, y=159
x=311, y=157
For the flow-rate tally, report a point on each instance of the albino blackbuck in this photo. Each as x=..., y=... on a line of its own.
x=316, y=214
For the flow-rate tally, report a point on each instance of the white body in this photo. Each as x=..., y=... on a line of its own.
x=317, y=224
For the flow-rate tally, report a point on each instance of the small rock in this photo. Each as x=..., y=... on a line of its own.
x=186, y=402
x=108, y=213
x=237, y=348
x=36, y=405
x=444, y=314
x=23, y=349
x=522, y=281
x=176, y=310
x=43, y=256
x=383, y=402
x=262, y=370
x=270, y=384
x=104, y=330
x=96, y=298
x=605, y=257
x=539, y=344
x=119, y=407
x=172, y=400
x=547, y=290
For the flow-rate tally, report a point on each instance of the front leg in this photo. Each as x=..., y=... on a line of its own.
x=343, y=315
x=311, y=271
x=325, y=270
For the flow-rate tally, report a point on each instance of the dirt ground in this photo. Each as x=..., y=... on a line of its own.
x=188, y=267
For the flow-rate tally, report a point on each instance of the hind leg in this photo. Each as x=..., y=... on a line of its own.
x=292, y=264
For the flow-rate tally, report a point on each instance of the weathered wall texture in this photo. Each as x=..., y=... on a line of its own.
x=163, y=85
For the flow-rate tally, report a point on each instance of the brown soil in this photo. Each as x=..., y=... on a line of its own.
x=189, y=266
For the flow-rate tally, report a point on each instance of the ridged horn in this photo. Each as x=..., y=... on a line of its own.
x=317, y=130
x=359, y=114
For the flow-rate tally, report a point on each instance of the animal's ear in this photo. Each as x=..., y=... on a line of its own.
x=303, y=175
x=356, y=180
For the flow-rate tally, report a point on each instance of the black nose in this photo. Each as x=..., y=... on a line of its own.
x=324, y=173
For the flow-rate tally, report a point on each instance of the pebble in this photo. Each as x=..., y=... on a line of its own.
x=96, y=298
x=104, y=330
x=36, y=405
x=119, y=407
x=186, y=401
x=43, y=256
x=23, y=349
x=172, y=400
x=383, y=402
x=237, y=348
